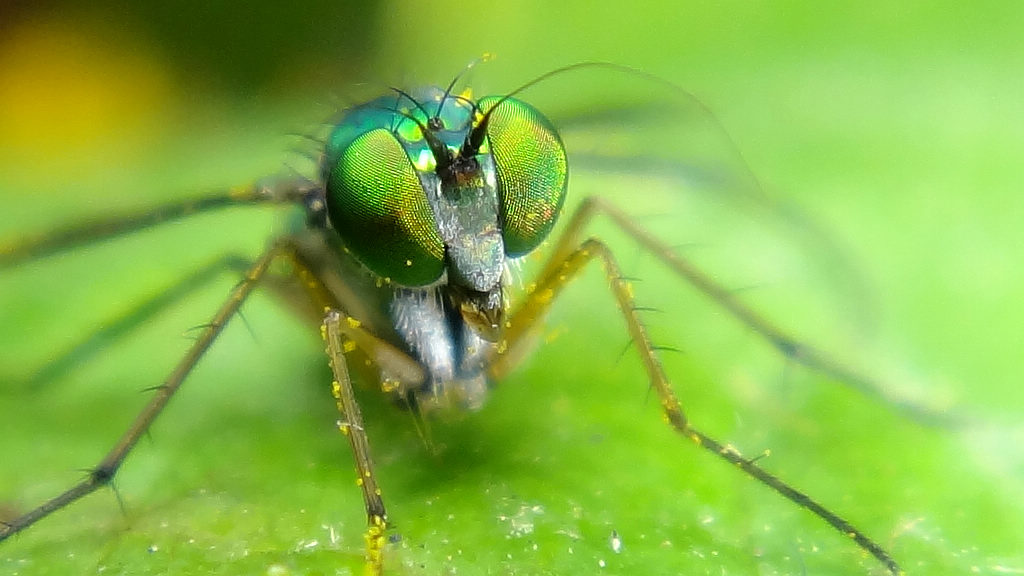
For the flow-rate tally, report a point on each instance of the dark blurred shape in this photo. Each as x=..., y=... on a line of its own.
x=236, y=46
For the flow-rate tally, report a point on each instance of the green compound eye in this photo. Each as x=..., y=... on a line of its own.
x=532, y=171
x=377, y=205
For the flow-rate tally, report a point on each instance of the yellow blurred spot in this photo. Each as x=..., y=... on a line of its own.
x=68, y=89
x=555, y=334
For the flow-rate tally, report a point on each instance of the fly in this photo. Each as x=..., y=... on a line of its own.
x=422, y=201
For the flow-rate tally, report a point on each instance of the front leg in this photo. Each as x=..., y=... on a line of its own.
x=566, y=266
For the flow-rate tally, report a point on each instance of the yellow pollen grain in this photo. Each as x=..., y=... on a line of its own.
x=544, y=296
x=352, y=322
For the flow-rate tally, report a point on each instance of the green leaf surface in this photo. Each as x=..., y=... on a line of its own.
x=895, y=129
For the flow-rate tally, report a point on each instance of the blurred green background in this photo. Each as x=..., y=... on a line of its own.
x=895, y=126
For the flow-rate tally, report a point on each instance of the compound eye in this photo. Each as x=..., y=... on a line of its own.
x=377, y=205
x=531, y=168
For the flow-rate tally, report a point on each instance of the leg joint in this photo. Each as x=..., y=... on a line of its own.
x=102, y=474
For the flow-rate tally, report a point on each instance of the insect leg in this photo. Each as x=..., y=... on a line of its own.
x=104, y=472
x=564, y=267
x=351, y=426
x=13, y=252
x=342, y=333
x=786, y=344
x=123, y=325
